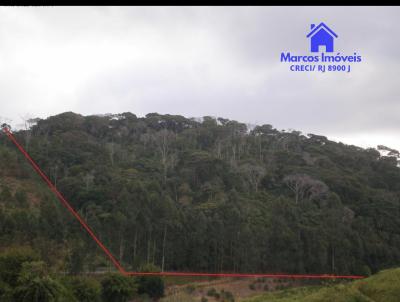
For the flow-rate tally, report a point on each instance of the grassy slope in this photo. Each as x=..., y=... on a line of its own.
x=382, y=287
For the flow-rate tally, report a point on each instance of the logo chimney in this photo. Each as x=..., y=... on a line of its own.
x=312, y=26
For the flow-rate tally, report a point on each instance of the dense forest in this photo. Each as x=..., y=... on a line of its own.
x=207, y=194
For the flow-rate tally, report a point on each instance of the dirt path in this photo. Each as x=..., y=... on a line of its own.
x=239, y=288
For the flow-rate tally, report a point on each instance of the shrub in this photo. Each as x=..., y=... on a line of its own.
x=84, y=289
x=365, y=271
x=5, y=291
x=212, y=292
x=153, y=286
x=39, y=289
x=227, y=296
x=11, y=264
x=117, y=288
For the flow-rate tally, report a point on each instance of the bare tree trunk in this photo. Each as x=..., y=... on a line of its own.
x=218, y=149
x=233, y=158
x=163, y=248
x=164, y=154
x=221, y=265
x=165, y=173
x=148, y=247
x=148, y=251
x=216, y=257
x=154, y=251
x=231, y=254
x=134, y=247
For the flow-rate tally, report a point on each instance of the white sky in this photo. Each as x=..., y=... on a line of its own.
x=198, y=61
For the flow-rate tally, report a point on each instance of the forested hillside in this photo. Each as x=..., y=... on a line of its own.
x=199, y=195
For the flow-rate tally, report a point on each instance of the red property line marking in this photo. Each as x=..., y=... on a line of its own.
x=233, y=275
x=116, y=263
x=64, y=201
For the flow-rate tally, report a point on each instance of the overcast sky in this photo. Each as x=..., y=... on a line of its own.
x=198, y=61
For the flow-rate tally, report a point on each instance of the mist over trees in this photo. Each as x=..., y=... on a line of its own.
x=209, y=195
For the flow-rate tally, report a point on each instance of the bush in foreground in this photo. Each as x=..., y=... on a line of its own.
x=117, y=288
x=84, y=289
x=152, y=286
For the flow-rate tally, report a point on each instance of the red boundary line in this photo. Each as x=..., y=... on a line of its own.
x=116, y=263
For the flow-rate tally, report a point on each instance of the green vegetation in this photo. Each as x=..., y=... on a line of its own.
x=382, y=287
x=192, y=195
x=212, y=292
x=182, y=297
x=150, y=286
x=25, y=278
x=117, y=288
x=84, y=289
x=227, y=296
x=223, y=296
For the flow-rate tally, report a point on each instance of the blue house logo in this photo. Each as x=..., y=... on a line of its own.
x=321, y=35
x=322, y=57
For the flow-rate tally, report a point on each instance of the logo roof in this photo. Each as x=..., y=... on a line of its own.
x=324, y=26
